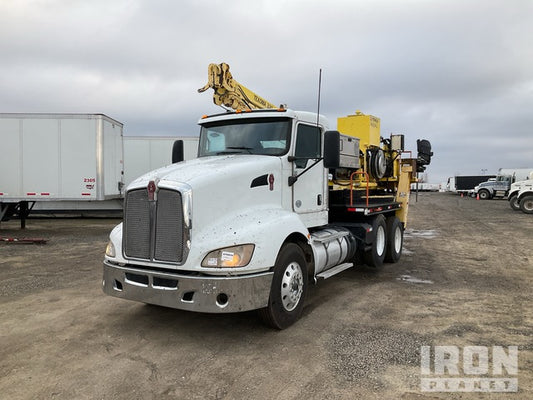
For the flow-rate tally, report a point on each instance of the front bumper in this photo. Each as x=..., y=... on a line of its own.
x=210, y=294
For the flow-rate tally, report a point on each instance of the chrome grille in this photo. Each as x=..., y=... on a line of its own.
x=137, y=225
x=169, y=227
x=154, y=230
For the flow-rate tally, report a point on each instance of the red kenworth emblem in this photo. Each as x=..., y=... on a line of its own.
x=271, y=181
x=151, y=190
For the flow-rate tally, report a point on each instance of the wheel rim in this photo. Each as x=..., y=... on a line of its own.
x=380, y=241
x=292, y=286
x=528, y=205
x=398, y=240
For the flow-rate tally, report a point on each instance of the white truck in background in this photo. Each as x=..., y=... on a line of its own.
x=525, y=198
x=500, y=187
x=515, y=189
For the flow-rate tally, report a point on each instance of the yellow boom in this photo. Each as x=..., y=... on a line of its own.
x=229, y=92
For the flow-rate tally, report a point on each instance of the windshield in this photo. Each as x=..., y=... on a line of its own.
x=265, y=136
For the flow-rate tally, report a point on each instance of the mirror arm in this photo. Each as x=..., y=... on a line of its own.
x=293, y=179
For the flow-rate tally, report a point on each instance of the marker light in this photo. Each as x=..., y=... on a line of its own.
x=110, y=250
x=229, y=257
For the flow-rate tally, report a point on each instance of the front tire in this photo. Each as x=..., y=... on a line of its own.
x=526, y=204
x=288, y=290
x=514, y=203
x=394, y=240
x=484, y=195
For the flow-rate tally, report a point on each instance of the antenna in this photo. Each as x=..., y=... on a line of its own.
x=318, y=105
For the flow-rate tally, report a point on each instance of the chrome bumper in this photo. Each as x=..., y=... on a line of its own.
x=210, y=294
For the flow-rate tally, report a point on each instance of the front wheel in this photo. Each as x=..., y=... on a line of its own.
x=288, y=290
x=526, y=204
x=484, y=195
x=513, y=202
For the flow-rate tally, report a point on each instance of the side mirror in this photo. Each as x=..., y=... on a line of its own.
x=332, y=149
x=424, y=155
x=177, y=151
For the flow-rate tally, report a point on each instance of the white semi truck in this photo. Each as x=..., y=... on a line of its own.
x=525, y=198
x=273, y=202
x=515, y=189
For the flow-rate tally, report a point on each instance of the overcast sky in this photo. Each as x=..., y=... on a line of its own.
x=456, y=72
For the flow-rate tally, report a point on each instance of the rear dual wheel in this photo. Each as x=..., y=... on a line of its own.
x=387, y=243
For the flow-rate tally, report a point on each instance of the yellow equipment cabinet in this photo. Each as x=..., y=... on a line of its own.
x=362, y=126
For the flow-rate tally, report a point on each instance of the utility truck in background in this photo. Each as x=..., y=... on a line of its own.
x=524, y=197
x=274, y=201
x=515, y=189
x=500, y=187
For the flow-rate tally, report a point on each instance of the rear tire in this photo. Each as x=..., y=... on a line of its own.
x=526, y=204
x=394, y=240
x=513, y=202
x=288, y=290
x=375, y=257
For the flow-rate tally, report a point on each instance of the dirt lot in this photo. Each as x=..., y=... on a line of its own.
x=464, y=280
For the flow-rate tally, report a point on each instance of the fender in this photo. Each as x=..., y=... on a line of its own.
x=266, y=228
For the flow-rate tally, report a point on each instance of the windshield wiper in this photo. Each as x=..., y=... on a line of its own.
x=249, y=149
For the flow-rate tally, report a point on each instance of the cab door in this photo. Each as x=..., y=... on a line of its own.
x=309, y=190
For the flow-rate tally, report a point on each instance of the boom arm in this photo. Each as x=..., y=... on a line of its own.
x=229, y=92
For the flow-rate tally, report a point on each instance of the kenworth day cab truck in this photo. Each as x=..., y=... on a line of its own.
x=273, y=202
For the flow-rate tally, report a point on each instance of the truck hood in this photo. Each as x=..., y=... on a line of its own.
x=223, y=190
x=214, y=171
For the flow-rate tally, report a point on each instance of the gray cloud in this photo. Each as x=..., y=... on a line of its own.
x=459, y=73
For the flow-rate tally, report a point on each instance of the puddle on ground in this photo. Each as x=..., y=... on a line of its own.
x=427, y=234
x=407, y=252
x=412, y=279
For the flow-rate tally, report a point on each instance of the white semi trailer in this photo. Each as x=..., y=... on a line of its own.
x=63, y=163
x=51, y=157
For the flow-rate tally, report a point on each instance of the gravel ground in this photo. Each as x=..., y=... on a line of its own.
x=464, y=280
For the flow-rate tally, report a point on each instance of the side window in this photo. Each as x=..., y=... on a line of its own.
x=307, y=144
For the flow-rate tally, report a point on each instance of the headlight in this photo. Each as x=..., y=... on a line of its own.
x=110, y=250
x=229, y=257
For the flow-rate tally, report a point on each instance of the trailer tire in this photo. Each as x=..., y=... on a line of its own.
x=375, y=257
x=484, y=195
x=514, y=203
x=526, y=204
x=394, y=240
x=288, y=290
